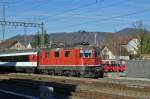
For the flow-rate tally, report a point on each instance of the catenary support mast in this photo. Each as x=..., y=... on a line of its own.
x=24, y=24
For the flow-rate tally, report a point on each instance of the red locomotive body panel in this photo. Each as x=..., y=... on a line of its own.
x=75, y=60
x=57, y=58
x=33, y=58
x=67, y=58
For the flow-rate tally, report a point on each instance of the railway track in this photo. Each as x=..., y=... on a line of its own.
x=66, y=91
x=84, y=88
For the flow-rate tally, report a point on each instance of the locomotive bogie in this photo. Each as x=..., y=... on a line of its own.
x=77, y=71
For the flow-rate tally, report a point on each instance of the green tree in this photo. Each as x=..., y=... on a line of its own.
x=144, y=37
x=46, y=38
x=144, y=47
x=38, y=39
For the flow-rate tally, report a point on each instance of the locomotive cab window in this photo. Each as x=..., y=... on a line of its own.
x=56, y=54
x=86, y=53
x=67, y=53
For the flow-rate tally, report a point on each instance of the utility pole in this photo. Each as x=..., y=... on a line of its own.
x=4, y=19
x=95, y=38
x=42, y=35
x=25, y=34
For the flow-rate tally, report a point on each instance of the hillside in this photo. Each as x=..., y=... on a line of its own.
x=76, y=37
x=21, y=38
x=68, y=38
x=130, y=31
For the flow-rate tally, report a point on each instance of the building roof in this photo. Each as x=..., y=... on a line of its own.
x=7, y=44
x=126, y=40
x=25, y=43
x=118, y=50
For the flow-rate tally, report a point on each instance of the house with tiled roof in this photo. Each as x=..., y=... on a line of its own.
x=132, y=46
x=27, y=45
x=14, y=45
x=116, y=52
x=121, y=49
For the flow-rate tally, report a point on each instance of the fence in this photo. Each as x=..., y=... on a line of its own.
x=138, y=68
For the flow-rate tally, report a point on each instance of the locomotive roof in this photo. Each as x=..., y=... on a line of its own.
x=8, y=52
x=70, y=47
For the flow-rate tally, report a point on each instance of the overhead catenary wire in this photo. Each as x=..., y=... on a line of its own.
x=113, y=17
x=107, y=6
x=27, y=9
x=73, y=9
x=34, y=7
x=91, y=11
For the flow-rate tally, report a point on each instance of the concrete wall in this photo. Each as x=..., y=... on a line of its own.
x=138, y=68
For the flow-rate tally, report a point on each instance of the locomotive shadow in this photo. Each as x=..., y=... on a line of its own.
x=60, y=89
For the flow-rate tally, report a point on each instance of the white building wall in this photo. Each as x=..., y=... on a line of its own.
x=124, y=57
x=29, y=46
x=106, y=51
x=132, y=46
x=18, y=46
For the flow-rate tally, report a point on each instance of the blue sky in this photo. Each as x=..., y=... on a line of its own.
x=74, y=15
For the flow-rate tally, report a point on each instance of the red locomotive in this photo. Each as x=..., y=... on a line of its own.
x=69, y=61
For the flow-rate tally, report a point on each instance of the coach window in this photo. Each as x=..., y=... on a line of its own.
x=56, y=54
x=67, y=53
x=23, y=58
x=47, y=55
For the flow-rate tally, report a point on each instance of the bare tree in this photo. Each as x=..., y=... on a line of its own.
x=140, y=25
x=143, y=37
